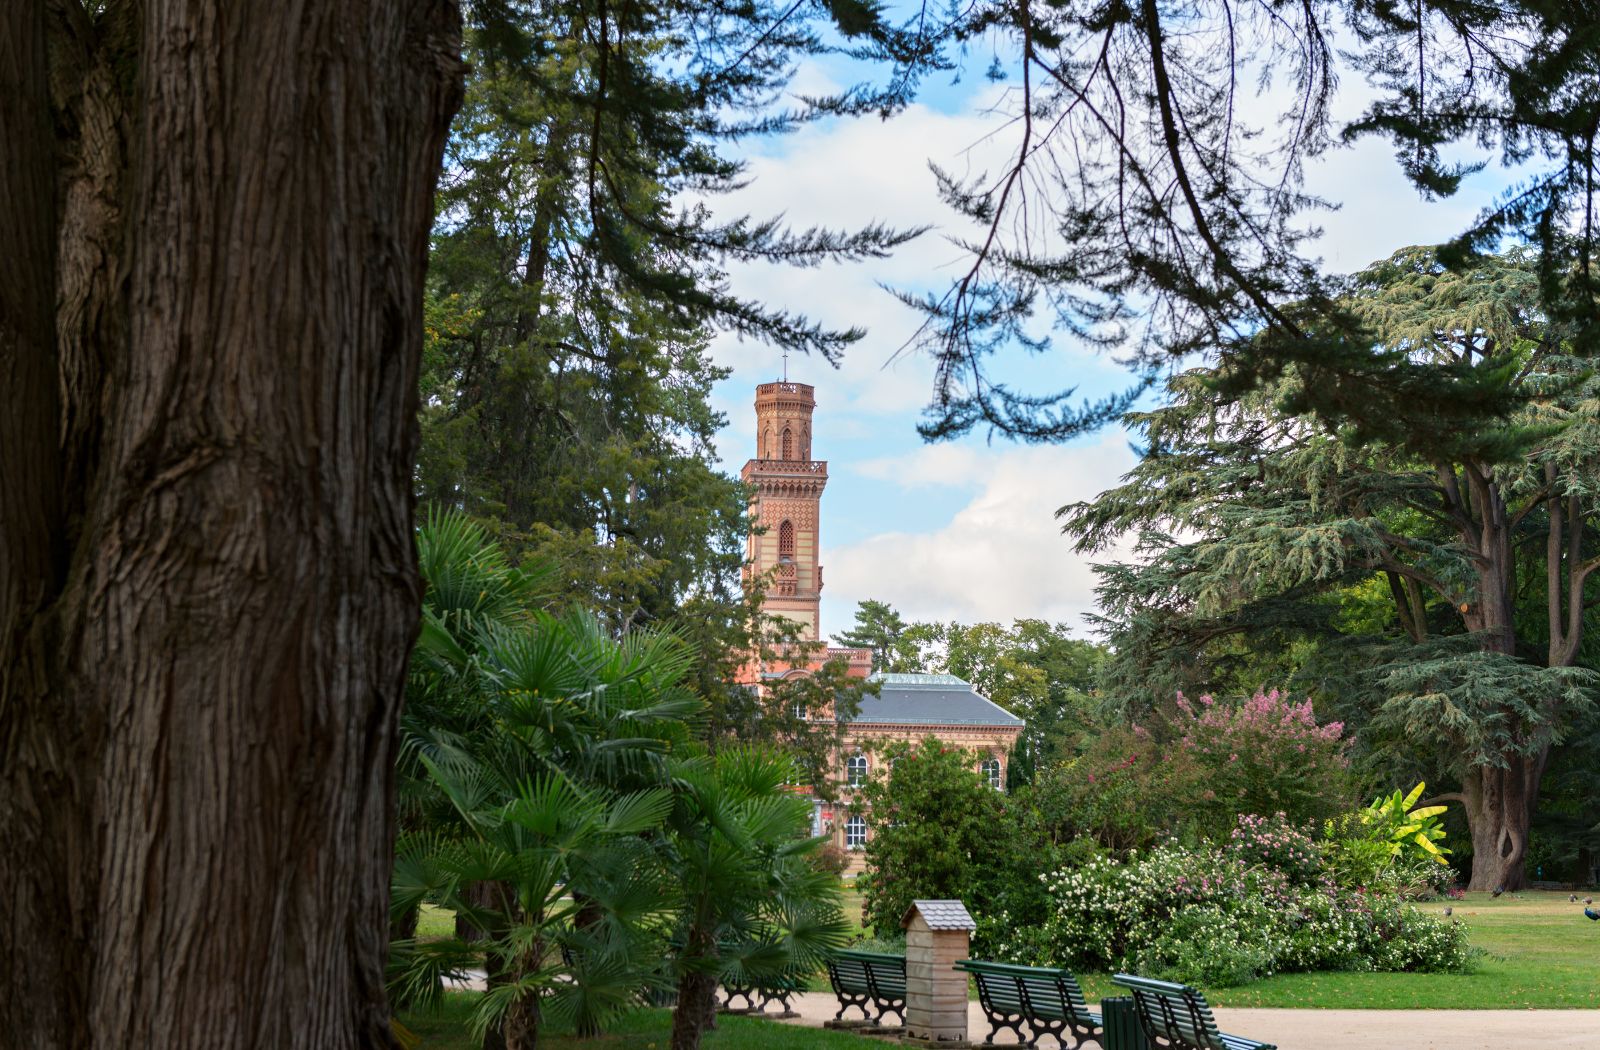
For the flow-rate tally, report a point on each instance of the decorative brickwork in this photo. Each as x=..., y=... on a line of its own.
x=788, y=486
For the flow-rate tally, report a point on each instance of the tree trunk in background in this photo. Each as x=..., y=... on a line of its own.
x=1499, y=805
x=1499, y=802
x=210, y=321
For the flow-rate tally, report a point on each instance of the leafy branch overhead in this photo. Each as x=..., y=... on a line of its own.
x=1153, y=203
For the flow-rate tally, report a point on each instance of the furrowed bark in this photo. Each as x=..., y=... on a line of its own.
x=40, y=984
x=237, y=289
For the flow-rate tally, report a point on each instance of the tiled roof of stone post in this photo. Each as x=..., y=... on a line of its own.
x=941, y=915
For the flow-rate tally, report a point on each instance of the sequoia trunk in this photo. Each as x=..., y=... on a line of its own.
x=207, y=578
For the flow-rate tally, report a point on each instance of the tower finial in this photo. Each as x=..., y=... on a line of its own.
x=785, y=364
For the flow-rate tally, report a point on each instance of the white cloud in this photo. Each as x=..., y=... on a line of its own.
x=1000, y=557
x=844, y=174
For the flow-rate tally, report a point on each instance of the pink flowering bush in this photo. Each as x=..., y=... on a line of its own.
x=1268, y=754
x=1276, y=843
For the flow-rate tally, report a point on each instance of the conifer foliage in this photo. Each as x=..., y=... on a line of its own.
x=577, y=274
x=1153, y=202
x=1255, y=515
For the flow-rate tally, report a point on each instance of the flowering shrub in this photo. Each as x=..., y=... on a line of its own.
x=1266, y=755
x=1278, y=844
x=1136, y=787
x=1221, y=916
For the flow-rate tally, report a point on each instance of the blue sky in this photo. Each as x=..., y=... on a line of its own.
x=964, y=530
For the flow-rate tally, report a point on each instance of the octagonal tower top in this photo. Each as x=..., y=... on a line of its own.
x=783, y=420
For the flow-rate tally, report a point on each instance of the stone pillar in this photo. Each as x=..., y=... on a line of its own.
x=937, y=933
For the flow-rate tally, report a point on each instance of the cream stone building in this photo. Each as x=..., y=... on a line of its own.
x=783, y=552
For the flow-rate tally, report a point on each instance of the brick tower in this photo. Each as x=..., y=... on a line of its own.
x=788, y=486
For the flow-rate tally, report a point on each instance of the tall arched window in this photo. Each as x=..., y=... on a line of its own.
x=786, y=541
x=990, y=770
x=788, y=443
x=855, y=832
x=855, y=768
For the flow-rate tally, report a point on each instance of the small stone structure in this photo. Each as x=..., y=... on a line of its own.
x=937, y=935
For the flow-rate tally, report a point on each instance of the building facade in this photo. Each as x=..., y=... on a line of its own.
x=783, y=556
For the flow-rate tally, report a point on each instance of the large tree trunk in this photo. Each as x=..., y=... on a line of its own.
x=1499, y=801
x=215, y=223
x=1500, y=805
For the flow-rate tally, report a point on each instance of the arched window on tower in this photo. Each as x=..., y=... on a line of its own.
x=786, y=541
x=788, y=443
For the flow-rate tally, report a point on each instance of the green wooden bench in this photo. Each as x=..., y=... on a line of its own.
x=869, y=979
x=760, y=994
x=1050, y=1002
x=1178, y=1016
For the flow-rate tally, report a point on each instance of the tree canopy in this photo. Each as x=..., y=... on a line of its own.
x=1442, y=570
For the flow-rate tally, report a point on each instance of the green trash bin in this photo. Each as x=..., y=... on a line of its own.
x=1121, y=1019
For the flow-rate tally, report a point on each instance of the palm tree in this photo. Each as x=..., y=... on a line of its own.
x=537, y=848
x=504, y=697
x=754, y=906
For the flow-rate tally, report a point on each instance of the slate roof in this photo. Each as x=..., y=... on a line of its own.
x=931, y=699
x=941, y=915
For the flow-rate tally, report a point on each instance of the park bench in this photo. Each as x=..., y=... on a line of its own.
x=761, y=993
x=1050, y=1002
x=1177, y=1016
x=863, y=979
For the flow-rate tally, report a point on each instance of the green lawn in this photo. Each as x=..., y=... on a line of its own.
x=434, y=923
x=1542, y=952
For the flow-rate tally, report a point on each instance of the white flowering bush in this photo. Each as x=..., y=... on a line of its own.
x=1274, y=842
x=1225, y=915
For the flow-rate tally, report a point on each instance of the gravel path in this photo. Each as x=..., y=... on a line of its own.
x=1352, y=1029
